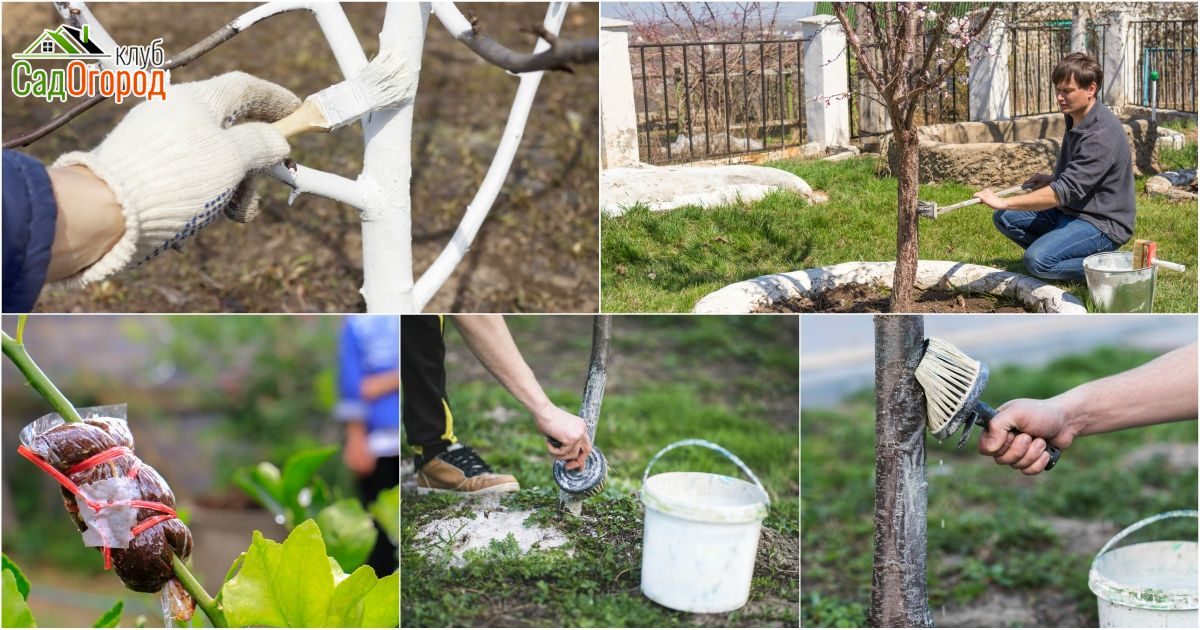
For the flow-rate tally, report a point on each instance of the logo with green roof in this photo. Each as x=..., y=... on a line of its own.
x=64, y=42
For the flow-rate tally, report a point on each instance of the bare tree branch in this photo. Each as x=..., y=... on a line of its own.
x=560, y=55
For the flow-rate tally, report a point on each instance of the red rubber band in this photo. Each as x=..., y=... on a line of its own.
x=53, y=472
x=100, y=458
x=151, y=522
x=168, y=513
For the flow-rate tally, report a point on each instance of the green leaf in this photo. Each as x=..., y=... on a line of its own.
x=22, y=581
x=296, y=585
x=298, y=471
x=233, y=568
x=112, y=618
x=386, y=510
x=249, y=598
x=346, y=605
x=15, y=612
x=261, y=486
x=305, y=578
x=348, y=532
x=381, y=607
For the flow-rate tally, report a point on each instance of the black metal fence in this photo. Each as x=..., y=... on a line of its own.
x=1034, y=51
x=1169, y=48
x=707, y=100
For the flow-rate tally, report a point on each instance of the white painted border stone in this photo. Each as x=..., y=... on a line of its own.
x=751, y=295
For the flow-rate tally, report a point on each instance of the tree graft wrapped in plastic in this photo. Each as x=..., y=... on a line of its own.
x=117, y=502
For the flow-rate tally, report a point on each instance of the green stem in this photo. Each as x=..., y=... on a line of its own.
x=206, y=603
x=37, y=378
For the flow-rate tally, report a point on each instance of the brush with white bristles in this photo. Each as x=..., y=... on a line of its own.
x=382, y=84
x=953, y=383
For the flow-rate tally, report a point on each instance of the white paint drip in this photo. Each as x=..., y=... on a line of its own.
x=455, y=536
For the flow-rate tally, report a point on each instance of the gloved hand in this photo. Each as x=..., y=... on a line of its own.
x=174, y=164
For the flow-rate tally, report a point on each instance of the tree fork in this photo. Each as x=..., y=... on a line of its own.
x=899, y=596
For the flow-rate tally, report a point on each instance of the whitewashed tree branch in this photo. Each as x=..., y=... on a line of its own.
x=437, y=273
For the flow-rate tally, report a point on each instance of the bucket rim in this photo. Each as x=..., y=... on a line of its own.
x=1088, y=266
x=742, y=514
x=1159, y=599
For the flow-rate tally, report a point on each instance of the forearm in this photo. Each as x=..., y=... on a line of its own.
x=356, y=432
x=489, y=339
x=1041, y=199
x=378, y=385
x=1163, y=390
x=89, y=221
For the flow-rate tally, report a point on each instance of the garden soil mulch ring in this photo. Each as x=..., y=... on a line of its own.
x=861, y=298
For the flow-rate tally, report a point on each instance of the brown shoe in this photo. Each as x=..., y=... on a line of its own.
x=459, y=469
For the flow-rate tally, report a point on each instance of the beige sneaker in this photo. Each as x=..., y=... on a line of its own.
x=459, y=469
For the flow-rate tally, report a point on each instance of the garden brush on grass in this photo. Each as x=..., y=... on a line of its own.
x=953, y=383
x=577, y=485
x=383, y=83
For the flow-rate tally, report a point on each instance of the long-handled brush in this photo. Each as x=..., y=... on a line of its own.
x=576, y=485
x=383, y=83
x=953, y=383
x=931, y=210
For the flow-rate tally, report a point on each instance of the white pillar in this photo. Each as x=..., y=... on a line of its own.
x=618, y=115
x=1078, y=30
x=988, y=79
x=1119, y=60
x=873, y=117
x=825, y=77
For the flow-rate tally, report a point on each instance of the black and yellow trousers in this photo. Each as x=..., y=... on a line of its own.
x=428, y=421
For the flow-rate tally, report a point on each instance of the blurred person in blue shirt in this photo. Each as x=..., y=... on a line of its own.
x=369, y=406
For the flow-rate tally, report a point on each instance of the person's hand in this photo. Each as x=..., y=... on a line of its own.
x=175, y=165
x=1037, y=421
x=989, y=197
x=357, y=455
x=1038, y=180
x=567, y=429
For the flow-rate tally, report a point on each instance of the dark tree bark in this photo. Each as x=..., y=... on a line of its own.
x=899, y=597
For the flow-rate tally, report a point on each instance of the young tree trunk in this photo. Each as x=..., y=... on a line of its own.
x=898, y=590
x=906, y=219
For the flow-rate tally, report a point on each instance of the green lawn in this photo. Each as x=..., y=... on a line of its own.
x=992, y=531
x=729, y=380
x=666, y=261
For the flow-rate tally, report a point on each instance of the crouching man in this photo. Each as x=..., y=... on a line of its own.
x=1087, y=206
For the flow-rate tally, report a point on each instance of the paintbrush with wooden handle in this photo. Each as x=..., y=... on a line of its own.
x=382, y=84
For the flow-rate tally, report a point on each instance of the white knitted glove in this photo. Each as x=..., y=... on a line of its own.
x=173, y=165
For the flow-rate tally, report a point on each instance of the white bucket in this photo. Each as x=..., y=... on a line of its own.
x=1147, y=585
x=701, y=536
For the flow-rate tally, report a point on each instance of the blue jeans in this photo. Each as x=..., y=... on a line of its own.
x=1055, y=244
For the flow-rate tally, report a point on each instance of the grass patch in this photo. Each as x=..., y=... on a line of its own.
x=666, y=261
x=998, y=532
x=671, y=379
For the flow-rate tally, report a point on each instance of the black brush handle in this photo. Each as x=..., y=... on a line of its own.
x=985, y=413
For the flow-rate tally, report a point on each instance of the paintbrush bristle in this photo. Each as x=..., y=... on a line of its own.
x=947, y=376
x=384, y=83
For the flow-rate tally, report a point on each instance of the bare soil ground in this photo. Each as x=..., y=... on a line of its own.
x=536, y=252
x=860, y=298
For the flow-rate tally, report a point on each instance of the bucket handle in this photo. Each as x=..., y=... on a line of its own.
x=1140, y=524
x=709, y=445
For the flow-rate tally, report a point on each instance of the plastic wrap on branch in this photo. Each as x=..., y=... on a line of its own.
x=117, y=502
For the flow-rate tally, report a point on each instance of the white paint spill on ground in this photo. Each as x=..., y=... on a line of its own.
x=458, y=535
